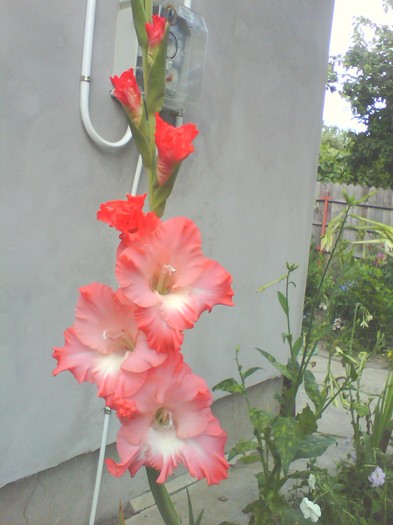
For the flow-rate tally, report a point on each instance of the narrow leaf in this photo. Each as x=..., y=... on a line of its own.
x=283, y=369
x=297, y=345
x=283, y=302
x=139, y=16
x=156, y=80
x=229, y=385
x=272, y=283
x=312, y=390
x=251, y=371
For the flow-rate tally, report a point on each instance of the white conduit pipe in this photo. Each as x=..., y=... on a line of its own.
x=85, y=84
x=107, y=415
x=137, y=176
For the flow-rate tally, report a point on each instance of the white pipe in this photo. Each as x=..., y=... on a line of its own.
x=187, y=3
x=85, y=84
x=107, y=415
x=137, y=176
x=178, y=120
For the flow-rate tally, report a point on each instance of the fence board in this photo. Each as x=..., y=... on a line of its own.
x=329, y=197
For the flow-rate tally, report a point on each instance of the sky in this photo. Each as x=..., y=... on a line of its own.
x=336, y=111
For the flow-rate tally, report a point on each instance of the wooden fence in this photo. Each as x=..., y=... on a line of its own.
x=329, y=202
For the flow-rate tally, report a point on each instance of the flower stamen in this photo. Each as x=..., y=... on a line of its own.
x=119, y=335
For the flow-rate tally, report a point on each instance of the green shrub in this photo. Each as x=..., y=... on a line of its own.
x=350, y=282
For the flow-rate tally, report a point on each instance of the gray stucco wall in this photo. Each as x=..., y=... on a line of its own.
x=249, y=187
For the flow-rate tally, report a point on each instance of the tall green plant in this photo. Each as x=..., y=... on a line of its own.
x=280, y=439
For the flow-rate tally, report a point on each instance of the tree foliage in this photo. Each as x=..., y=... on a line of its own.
x=365, y=80
x=333, y=156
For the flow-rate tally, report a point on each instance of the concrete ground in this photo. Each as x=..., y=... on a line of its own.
x=225, y=502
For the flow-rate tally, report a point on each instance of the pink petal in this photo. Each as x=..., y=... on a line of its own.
x=110, y=380
x=102, y=318
x=142, y=358
x=158, y=334
x=178, y=310
x=213, y=286
x=75, y=357
x=203, y=455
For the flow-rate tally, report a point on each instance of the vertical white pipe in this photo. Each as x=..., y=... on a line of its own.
x=137, y=176
x=107, y=415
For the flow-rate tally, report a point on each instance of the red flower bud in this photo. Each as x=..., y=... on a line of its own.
x=173, y=145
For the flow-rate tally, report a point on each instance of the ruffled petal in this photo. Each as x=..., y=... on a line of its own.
x=203, y=455
x=158, y=333
x=75, y=357
x=213, y=286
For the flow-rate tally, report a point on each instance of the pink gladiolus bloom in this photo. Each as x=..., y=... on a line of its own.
x=127, y=92
x=173, y=145
x=104, y=346
x=172, y=282
x=128, y=218
x=155, y=31
x=169, y=422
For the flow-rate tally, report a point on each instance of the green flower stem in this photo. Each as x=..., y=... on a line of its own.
x=256, y=433
x=307, y=358
x=162, y=499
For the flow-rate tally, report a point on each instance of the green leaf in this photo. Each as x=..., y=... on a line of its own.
x=251, y=371
x=162, y=499
x=286, y=438
x=121, y=517
x=312, y=390
x=139, y=16
x=283, y=369
x=191, y=518
x=155, y=89
x=160, y=194
x=249, y=459
x=297, y=345
x=139, y=135
x=283, y=302
x=260, y=419
x=272, y=283
x=313, y=446
x=307, y=421
x=242, y=447
x=229, y=385
x=361, y=409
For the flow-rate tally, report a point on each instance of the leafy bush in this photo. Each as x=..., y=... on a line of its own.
x=352, y=284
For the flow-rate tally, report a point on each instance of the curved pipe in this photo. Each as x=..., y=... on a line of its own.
x=85, y=84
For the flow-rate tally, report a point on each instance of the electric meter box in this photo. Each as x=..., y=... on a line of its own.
x=186, y=51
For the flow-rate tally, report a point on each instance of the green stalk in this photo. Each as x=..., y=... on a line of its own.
x=256, y=433
x=306, y=359
x=162, y=499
